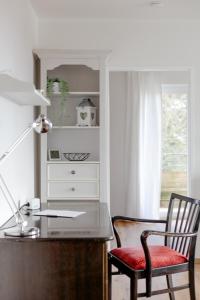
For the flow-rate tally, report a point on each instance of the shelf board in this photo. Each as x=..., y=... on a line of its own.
x=21, y=92
x=79, y=94
x=73, y=199
x=76, y=127
x=73, y=162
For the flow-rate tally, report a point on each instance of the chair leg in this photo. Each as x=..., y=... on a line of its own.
x=109, y=280
x=192, y=282
x=170, y=285
x=133, y=288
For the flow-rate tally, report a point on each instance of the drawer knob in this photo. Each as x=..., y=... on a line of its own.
x=73, y=189
x=73, y=172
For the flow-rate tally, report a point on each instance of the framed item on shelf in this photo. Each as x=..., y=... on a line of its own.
x=54, y=154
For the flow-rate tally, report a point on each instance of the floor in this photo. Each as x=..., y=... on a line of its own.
x=120, y=288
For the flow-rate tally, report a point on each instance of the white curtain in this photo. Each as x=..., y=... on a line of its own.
x=143, y=145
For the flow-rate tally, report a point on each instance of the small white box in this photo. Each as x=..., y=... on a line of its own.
x=34, y=203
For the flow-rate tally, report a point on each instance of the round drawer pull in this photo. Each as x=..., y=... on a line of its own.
x=73, y=189
x=73, y=172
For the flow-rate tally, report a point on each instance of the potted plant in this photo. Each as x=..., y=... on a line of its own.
x=56, y=85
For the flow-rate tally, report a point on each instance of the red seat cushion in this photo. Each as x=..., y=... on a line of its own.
x=161, y=256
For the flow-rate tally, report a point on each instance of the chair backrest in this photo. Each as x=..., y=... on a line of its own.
x=183, y=217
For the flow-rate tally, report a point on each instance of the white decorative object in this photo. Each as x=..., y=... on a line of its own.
x=56, y=88
x=86, y=113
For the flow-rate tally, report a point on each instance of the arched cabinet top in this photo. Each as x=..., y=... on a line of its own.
x=54, y=58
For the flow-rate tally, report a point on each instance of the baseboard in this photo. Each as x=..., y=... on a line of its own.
x=197, y=260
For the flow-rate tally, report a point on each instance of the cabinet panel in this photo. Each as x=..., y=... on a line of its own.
x=73, y=171
x=73, y=189
x=58, y=269
x=86, y=74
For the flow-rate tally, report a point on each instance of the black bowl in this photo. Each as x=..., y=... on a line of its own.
x=76, y=156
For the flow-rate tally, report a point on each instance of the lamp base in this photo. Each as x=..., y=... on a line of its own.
x=26, y=231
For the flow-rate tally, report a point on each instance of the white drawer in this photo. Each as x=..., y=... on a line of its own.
x=72, y=171
x=73, y=189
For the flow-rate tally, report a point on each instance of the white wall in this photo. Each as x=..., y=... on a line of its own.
x=117, y=128
x=139, y=44
x=18, y=34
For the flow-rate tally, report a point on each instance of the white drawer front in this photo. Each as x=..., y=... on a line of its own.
x=73, y=171
x=73, y=190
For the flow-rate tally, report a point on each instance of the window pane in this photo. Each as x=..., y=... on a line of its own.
x=174, y=142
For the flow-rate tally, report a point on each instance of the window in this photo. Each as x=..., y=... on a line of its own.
x=174, y=141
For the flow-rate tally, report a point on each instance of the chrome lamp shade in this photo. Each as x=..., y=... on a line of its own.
x=42, y=124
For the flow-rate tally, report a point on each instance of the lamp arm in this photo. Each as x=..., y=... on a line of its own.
x=10, y=199
x=40, y=125
x=6, y=154
x=6, y=193
x=5, y=196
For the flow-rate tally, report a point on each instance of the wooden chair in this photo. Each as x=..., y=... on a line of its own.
x=177, y=254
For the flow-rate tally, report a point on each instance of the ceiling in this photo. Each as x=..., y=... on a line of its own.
x=117, y=9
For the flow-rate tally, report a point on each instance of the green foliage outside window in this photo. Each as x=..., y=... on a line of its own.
x=174, y=132
x=174, y=145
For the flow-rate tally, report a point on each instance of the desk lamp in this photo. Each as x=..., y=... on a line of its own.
x=40, y=125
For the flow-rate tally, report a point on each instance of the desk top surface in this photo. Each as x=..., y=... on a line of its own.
x=93, y=224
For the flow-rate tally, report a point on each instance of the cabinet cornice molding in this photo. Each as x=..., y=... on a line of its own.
x=54, y=58
x=55, y=53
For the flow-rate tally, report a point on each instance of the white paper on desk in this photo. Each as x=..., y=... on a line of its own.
x=59, y=213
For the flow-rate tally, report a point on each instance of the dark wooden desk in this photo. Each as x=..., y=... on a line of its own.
x=67, y=261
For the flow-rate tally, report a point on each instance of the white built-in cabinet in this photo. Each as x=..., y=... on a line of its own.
x=87, y=75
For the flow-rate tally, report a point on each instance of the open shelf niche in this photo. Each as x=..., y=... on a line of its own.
x=83, y=83
x=66, y=135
